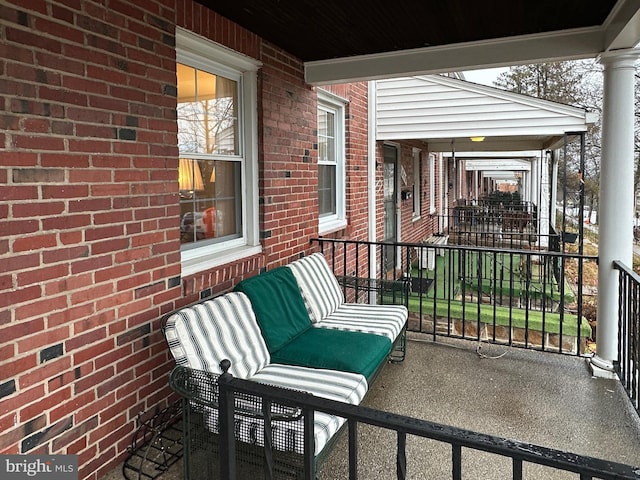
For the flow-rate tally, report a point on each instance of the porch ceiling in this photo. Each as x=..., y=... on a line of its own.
x=365, y=39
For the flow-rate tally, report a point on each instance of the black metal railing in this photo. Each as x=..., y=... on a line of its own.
x=525, y=298
x=458, y=440
x=627, y=366
x=497, y=228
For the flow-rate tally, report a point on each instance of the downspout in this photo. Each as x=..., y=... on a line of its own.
x=371, y=184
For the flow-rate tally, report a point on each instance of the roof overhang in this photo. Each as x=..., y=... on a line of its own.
x=343, y=41
x=449, y=114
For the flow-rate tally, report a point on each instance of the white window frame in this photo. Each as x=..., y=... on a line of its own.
x=432, y=183
x=417, y=184
x=336, y=105
x=199, y=52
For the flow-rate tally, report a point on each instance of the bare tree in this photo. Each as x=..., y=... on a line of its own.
x=576, y=83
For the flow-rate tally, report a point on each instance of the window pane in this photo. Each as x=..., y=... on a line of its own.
x=210, y=200
x=207, y=112
x=327, y=189
x=326, y=137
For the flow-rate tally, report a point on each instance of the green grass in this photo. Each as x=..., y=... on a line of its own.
x=448, y=284
x=447, y=275
x=504, y=316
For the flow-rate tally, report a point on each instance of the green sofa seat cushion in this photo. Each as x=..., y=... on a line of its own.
x=278, y=305
x=354, y=352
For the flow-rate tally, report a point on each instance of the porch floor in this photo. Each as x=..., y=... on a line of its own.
x=542, y=398
x=534, y=397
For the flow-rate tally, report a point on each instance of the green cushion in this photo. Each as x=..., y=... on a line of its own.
x=354, y=352
x=278, y=304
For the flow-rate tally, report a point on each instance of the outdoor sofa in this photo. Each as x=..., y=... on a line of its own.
x=289, y=327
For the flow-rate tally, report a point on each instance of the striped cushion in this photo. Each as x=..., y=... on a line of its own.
x=203, y=335
x=320, y=288
x=288, y=436
x=387, y=320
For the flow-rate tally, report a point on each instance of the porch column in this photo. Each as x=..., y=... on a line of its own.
x=616, y=198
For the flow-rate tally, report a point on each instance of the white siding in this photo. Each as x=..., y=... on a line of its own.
x=436, y=107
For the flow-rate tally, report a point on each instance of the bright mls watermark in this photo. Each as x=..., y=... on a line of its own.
x=49, y=467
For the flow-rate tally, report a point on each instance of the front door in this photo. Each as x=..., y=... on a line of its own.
x=390, y=201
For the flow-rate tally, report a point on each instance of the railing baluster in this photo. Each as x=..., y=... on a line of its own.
x=268, y=439
x=309, y=444
x=456, y=460
x=226, y=430
x=353, y=449
x=517, y=468
x=401, y=458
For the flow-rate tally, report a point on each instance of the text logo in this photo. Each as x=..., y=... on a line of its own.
x=49, y=467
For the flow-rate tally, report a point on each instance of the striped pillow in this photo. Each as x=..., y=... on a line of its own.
x=203, y=335
x=319, y=286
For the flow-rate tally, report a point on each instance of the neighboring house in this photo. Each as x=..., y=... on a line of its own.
x=490, y=139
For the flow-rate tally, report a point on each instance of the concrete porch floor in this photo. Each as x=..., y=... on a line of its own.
x=546, y=399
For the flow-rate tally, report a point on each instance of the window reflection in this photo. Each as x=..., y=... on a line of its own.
x=210, y=188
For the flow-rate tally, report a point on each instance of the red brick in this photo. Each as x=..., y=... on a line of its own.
x=69, y=314
x=46, y=403
x=65, y=191
x=70, y=406
x=46, y=338
x=35, y=242
x=19, y=296
x=18, y=192
x=99, y=233
x=110, y=246
x=19, y=365
x=40, y=307
x=35, y=209
x=44, y=372
x=66, y=222
x=37, y=142
x=65, y=254
x=85, y=339
x=90, y=381
x=41, y=275
x=91, y=293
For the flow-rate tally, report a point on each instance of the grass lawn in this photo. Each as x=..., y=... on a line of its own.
x=448, y=285
x=496, y=274
x=504, y=316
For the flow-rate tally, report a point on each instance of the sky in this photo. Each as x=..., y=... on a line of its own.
x=484, y=77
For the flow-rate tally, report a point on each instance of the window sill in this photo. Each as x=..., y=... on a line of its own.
x=331, y=227
x=201, y=263
x=416, y=218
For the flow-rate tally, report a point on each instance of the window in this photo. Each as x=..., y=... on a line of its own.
x=417, y=184
x=331, y=162
x=217, y=143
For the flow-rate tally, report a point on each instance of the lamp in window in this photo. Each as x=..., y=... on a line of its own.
x=212, y=179
x=189, y=176
x=477, y=139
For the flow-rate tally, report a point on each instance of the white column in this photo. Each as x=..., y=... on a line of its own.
x=616, y=198
x=543, y=200
x=371, y=182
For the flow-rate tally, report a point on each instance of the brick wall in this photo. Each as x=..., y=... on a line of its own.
x=90, y=252
x=89, y=215
x=89, y=249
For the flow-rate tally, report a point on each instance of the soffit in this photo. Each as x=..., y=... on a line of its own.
x=351, y=40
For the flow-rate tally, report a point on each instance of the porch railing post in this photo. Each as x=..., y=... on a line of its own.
x=226, y=430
